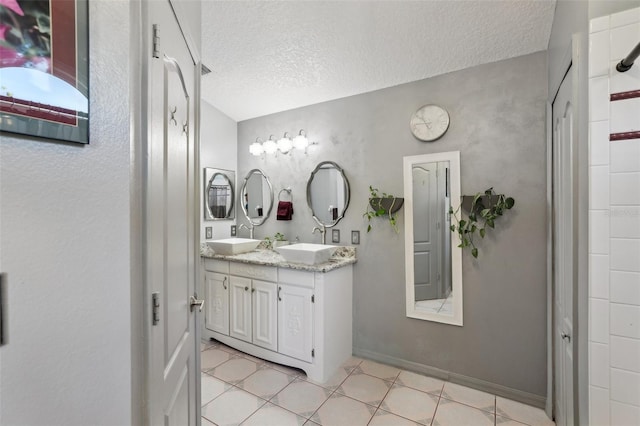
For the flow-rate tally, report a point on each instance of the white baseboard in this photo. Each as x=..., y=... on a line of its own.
x=482, y=385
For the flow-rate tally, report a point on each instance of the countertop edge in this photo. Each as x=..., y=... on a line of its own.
x=332, y=264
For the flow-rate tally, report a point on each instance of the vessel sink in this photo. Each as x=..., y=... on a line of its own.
x=308, y=254
x=230, y=246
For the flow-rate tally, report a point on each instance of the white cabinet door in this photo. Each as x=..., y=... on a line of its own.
x=240, y=326
x=265, y=318
x=217, y=299
x=295, y=322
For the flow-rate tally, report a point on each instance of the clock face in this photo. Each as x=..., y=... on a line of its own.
x=429, y=122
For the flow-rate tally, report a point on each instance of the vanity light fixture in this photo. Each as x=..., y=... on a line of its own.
x=285, y=144
x=301, y=142
x=270, y=146
x=256, y=148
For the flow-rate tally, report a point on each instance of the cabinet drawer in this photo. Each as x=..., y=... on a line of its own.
x=213, y=265
x=265, y=273
x=295, y=277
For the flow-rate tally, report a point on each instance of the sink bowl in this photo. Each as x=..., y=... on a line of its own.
x=229, y=246
x=308, y=254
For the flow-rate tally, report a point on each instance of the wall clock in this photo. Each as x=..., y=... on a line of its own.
x=429, y=123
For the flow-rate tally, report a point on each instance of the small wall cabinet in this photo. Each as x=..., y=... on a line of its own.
x=292, y=317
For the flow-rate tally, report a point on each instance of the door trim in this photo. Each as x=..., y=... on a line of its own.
x=576, y=62
x=141, y=295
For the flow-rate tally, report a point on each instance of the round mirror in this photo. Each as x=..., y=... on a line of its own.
x=257, y=197
x=219, y=194
x=328, y=193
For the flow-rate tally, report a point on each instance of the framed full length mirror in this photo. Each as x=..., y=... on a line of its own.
x=219, y=194
x=433, y=260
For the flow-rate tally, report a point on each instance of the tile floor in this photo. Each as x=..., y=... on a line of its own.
x=240, y=389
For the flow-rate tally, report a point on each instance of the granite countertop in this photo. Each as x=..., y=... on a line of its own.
x=262, y=256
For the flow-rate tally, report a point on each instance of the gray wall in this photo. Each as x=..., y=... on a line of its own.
x=218, y=136
x=498, y=123
x=65, y=219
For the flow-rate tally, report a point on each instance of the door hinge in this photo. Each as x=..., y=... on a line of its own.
x=313, y=353
x=156, y=42
x=313, y=298
x=155, y=303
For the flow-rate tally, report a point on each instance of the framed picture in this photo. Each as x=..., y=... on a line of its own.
x=44, y=69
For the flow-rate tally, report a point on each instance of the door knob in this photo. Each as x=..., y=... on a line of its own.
x=196, y=302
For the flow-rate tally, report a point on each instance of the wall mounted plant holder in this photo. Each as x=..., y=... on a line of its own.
x=483, y=209
x=389, y=204
x=485, y=201
x=383, y=205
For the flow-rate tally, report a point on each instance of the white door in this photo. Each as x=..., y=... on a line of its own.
x=217, y=302
x=174, y=382
x=425, y=234
x=240, y=301
x=295, y=322
x=265, y=315
x=563, y=274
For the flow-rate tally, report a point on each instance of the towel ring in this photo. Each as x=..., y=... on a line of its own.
x=287, y=190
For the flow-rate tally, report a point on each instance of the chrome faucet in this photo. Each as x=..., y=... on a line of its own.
x=322, y=231
x=250, y=229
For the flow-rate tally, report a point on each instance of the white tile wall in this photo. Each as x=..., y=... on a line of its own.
x=599, y=61
x=599, y=231
x=625, y=353
x=614, y=225
x=625, y=386
x=599, y=276
x=625, y=155
x=625, y=320
x=624, y=222
x=625, y=254
x=625, y=287
x=623, y=39
x=625, y=188
x=625, y=115
x=623, y=414
x=599, y=99
x=599, y=364
x=599, y=321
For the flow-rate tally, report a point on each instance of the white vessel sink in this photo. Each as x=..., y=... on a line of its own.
x=229, y=246
x=308, y=254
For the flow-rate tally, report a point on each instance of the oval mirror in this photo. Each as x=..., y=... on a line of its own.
x=433, y=259
x=328, y=193
x=257, y=197
x=219, y=194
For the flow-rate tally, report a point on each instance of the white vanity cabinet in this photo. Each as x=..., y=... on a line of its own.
x=253, y=307
x=299, y=318
x=295, y=321
x=216, y=291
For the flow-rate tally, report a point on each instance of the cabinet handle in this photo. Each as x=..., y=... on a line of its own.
x=279, y=288
x=253, y=290
x=223, y=283
x=246, y=288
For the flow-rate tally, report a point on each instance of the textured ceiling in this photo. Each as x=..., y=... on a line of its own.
x=273, y=56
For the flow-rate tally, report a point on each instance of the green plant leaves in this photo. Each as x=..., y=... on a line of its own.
x=466, y=229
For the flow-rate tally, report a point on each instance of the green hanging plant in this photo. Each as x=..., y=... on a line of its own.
x=484, y=210
x=383, y=205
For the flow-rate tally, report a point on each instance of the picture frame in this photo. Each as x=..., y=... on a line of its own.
x=44, y=69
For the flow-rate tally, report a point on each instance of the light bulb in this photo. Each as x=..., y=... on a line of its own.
x=301, y=142
x=256, y=148
x=285, y=144
x=270, y=146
